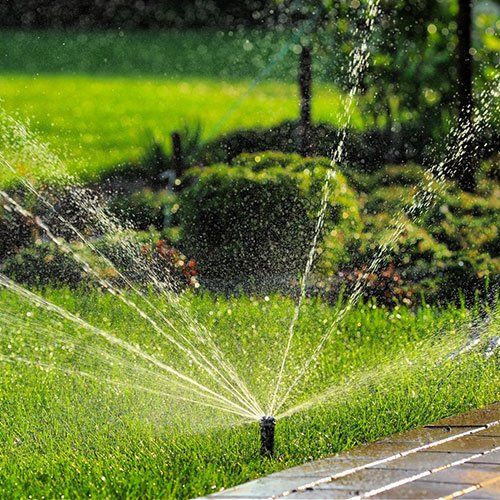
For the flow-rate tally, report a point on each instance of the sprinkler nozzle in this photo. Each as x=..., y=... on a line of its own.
x=267, y=424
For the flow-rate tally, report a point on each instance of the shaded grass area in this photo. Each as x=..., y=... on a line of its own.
x=62, y=434
x=97, y=98
x=231, y=55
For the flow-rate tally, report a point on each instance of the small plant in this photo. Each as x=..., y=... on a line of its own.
x=16, y=233
x=177, y=262
x=141, y=256
x=43, y=265
x=386, y=286
x=142, y=209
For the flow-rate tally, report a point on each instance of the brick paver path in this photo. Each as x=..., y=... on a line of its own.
x=455, y=457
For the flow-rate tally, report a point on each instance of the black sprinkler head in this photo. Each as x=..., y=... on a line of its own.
x=267, y=424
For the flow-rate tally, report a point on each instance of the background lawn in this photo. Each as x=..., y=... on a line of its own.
x=61, y=434
x=97, y=98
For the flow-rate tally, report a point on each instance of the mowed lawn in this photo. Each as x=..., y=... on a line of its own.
x=62, y=433
x=97, y=98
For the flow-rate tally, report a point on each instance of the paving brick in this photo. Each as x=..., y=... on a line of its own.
x=380, y=465
x=264, y=487
x=489, y=491
x=326, y=467
x=488, y=458
x=468, y=444
x=426, y=435
x=422, y=489
x=367, y=479
x=424, y=460
x=322, y=494
x=494, y=430
x=403, y=443
x=466, y=474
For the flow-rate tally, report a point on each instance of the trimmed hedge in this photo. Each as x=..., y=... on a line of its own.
x=253, y=220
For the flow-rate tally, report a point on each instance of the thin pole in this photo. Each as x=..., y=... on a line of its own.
x=305, y=86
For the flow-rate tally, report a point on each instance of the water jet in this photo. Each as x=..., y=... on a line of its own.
x=267, y=425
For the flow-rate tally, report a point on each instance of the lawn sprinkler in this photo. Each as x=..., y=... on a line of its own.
x=267, y=424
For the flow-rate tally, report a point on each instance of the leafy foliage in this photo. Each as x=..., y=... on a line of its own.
x=143, y=209
x=42, y=265
x=366, y=151
x=15, y=233
x=386, y=287
x=455, y=245
x=255, y=217
x=139, y=256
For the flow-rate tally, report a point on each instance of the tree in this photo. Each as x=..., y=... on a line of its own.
x=467, y=168
x=411, y=74
x=305, y=85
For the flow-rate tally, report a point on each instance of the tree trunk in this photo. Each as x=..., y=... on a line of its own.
x=305, y=85
x=467, y=168
x=177, y=159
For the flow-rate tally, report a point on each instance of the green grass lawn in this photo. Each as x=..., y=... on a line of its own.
x=97, y=97
x=63, y=434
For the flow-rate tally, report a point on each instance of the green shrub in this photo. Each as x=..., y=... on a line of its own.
x=490, y=171
x=145, y=171
x=387, y=199
x=255, y=218
x=143, y=209
x=43, y=265
x=452, y=250
x=365, y=151
x=462, y=274
x=15, y=233
x=466, y=222
x=407, y=174
x=73, y=203
x=139, y=256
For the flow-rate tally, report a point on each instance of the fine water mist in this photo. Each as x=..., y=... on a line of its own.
x=178, y=358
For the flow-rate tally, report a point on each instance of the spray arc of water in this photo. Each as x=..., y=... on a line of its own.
x=463, y=135
x=359, y=58
x=228, y=377
x=244, y=404
x=184, y=382
x=226, y=374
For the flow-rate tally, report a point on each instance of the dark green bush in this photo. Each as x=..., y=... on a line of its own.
x=387, y=199
x=73, y=203
x=43, y=265
x=462, y=274
x=143, y=209
x=453, y=248
x=145, y=171
x=255, y=218
x=365, y=151
x=408, y=175
x=15, y=233
x=466, y=222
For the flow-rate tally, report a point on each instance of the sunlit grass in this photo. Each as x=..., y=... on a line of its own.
x=98, y=97
x=95, y=122
x=61, y=434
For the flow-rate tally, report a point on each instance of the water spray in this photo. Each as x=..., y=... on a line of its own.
x=267, y=424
